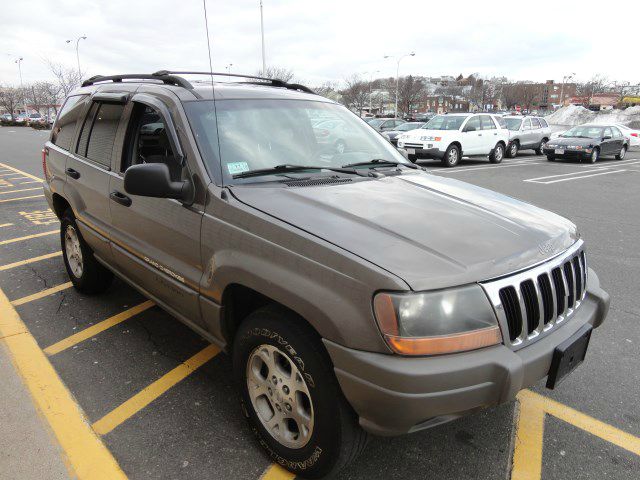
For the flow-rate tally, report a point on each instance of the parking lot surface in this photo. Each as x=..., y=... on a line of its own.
x=160, y=400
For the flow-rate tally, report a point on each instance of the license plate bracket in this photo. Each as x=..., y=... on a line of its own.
x=411, y=151
x=559, y=151
x=568, y=355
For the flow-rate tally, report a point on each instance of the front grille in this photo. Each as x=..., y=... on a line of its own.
x=413, y=145
x=531, y=303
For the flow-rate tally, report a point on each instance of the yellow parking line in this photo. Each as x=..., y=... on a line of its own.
x=276, y=472
x=10, y=174
x=85, y=455
x=20, y=198
x=28, y=175
x=20, y=190
x=30, y=181
x=97, y=328
x=35, y=235
x=6, y=225
x=527, y=454
x=28, y=260
x=41, y=294
x=136, y=403
x=589, y=424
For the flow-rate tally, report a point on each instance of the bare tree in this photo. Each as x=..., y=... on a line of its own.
x=411, y=90
x=46, y=95
x=10, y=99
x=68, y=79
x=327, y=89
x=277, y=73
x=355, y=95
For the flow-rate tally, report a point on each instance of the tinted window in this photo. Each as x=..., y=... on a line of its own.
x=473, y=124
x=487, y=123
x=86, y=130
x=103, y=133
x=66, y=123
x=535, y=123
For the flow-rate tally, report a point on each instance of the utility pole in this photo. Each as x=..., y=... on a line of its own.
x=228, y=67
x=399, y=59
x=264, y=63
x=84, y=37
x=371, y=74
x=24, y=102
x=564, y=80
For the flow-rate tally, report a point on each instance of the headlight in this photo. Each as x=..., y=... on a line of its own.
x=404, y=135
x=433, y=323
x=430, y=139
x=574, y=147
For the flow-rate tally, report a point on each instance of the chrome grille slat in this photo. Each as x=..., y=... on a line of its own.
x=533, y=302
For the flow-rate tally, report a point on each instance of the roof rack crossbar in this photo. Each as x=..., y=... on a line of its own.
x=166, y=79
x=274, y=82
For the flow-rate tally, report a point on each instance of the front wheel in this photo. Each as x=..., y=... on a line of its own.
x=541, y=147
x=497, y=154
x=85, y=272
x=290, y=395
x=595, y=154
x=623, y=152
x=451, y=156
x=551, y=158
x=512, y=151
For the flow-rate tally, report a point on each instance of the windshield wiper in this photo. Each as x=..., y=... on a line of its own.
x=289, y=168
x=379, y=161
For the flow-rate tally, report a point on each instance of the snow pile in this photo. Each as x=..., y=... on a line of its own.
x=577, y=115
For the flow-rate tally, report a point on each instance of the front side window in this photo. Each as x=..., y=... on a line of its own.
x=473, y=124
x=527, y=125
x=65, y=127
x=445, y=122
x=608, y=133
x=258, y=134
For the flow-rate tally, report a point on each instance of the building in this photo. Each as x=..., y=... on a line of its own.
x=597, y=101
x=442, y=104
x=552, y=93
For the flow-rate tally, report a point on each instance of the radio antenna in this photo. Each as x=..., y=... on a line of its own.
x=206, y=26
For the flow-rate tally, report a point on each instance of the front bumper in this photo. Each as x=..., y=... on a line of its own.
x=393, y=395
x=569, y=154
x=425, y=152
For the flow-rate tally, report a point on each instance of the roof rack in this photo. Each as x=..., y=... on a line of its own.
x=164, y=78
x=274, y=82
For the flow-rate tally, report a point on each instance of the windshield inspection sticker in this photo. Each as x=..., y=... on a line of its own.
x=237, y=167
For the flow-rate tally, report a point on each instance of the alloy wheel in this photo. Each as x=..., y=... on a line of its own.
x=73, y=251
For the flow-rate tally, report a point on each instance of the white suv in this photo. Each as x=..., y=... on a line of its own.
x=450, y=136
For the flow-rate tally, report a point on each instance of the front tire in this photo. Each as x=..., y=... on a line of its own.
x=451, y=156
x=512, y=151
x=623, y=152
x=541, y=147
x=85, y=272
x=497, y=154
x=551, y=158
x=595, y=155
x=290, y=395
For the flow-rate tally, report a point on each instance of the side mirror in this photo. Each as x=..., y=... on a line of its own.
x=153, y=180
x=606, y=137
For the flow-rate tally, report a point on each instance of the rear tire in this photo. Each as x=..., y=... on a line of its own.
x=281, y=366
x=497, y=154
x=540, y=149
x=623, y=152
x=85, y=272
x=451, y=156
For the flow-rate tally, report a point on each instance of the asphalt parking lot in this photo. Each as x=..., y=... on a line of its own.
x=163, y=403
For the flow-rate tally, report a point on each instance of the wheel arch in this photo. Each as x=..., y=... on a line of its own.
x=60, y=205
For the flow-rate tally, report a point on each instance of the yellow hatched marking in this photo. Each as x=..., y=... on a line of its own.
x=85, y=455
x=276, y=472
x=35, y=235
x=143, y=398
x=29, y=260
x=28, y=175
x=30, y=181
x=94, y=330
x=41, y=294
x=6, y=225
x=20, y=198
x=4, y=192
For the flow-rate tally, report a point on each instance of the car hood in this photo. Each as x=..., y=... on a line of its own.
x=430, y=231
x=423, y=132
x=583, y=142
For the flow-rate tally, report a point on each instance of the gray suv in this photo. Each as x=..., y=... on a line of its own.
x=356, y=293
x=526, y=133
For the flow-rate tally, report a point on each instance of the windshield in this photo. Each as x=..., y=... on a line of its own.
x=584, y=131
x=445, y=122
x=260, y=134
x=512, y=123
x=405, y=127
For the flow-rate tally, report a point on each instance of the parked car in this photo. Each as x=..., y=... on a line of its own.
x=20, y=118
x=6, y=117
x=448, y=137
x=392, y=135
x=526, y=133
x=35, y=118
x=335, y=136
x=632, y=134
x=356, y=293
x=51, y=118
x=588, y=143
x=383, y=124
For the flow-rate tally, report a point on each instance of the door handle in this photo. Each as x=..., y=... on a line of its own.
x=72, y=173
x=496, y=133
x=479, y=134
x=121, y=198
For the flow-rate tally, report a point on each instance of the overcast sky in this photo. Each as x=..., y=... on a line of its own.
x=325, y=40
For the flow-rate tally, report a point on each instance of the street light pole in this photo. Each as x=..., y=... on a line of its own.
x=229, y=70
x=264, y=63
x=371, y=74
x=84, y=37
x=564, y=79
x=399, y=59
x=24, y=102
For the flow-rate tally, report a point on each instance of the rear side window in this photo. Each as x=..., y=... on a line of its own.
x=487, y=123
x=99, y=132
x=535, y=123
x=66, y=122
x=543, y=122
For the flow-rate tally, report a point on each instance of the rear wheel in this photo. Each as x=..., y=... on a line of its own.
x=541, y=147
x=623, y=152
x=290, y=395
x=497, y=154
x=512, y=151
x=451, y=156
x=85, y=272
